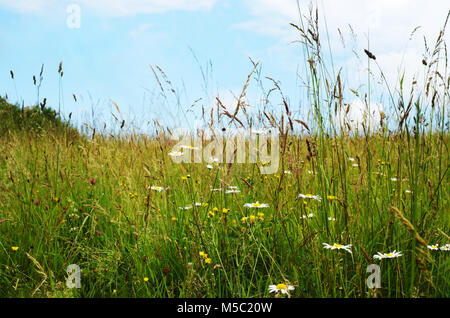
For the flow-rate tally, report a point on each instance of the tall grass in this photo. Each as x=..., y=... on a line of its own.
x=87, y=200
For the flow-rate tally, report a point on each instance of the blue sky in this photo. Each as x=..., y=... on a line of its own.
x=109, y=56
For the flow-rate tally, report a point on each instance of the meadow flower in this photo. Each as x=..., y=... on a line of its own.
x=446, y=247
x=93, y=181
x=209, y=166
x=355, y=165
x=174, y=218
x=244, y=219
x=307, y=216
x=208, y=260
x=14, y=248
x=252, y=218
x=210, y=214
x=351, y=159
x=189, y=147
x=408, y=191
x=215, y=189
x=175, y=154
x=283, y=288
x=332, y=197
x=387, y=255
x=145, y=279
x=433, y=247
x=287, y=172
x=256, y=205
x=338, y=246
x=225, y=211
x=157, y=188
x=186, y=207
x=331, y=219
x=232, y=191
x=310, y=196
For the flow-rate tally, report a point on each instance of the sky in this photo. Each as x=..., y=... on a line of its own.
x=109, y=47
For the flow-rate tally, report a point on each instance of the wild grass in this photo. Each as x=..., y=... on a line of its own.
x=86, y=199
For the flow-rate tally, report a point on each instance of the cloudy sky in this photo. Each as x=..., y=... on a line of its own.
x=203, y=47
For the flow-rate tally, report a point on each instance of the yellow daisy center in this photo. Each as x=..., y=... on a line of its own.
x=281, y=286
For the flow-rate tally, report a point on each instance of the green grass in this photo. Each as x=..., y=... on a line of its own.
x=119, y=232
x=68, y=199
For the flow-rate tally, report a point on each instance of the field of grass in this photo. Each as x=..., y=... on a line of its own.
x=91, y=200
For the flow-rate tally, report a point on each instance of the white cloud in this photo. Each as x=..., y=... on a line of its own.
x=385, y=26
x=360, y=113
x=111, y=8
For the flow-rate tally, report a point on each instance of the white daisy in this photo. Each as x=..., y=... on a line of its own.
x=338, y=246
x=331, y=219
x=434, y=247
x=232, y=191
x=351, y=159
x=175, y=154
x=387, y=255
x=256, y=205
x=189, y=147
x=216, y=189
x=310, y=196
x=287, y=172
x=157, y=188
x=446, y=247
x=209, y=166
x=186, y=207
x=283, y=288
x=307, y=216
x=355, y=165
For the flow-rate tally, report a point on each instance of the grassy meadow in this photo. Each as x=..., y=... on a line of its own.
x=140, y=225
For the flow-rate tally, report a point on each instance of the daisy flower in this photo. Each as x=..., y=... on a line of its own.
x=256, y=205
x=157, y=188
x=283, y=288
x=232, y=191
x=215, y=189
x=338, y=246
x=287, y=172
x=307, y=216
x=175, y=154
x=209, y=166
x=331, y=219
x=310, y=196
x=14, y=248
x=446, y=247
x=387, y=255
x=186, y=207
x=351, y=159
x=189, y=147
x=434, y=247
x=355, y=165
